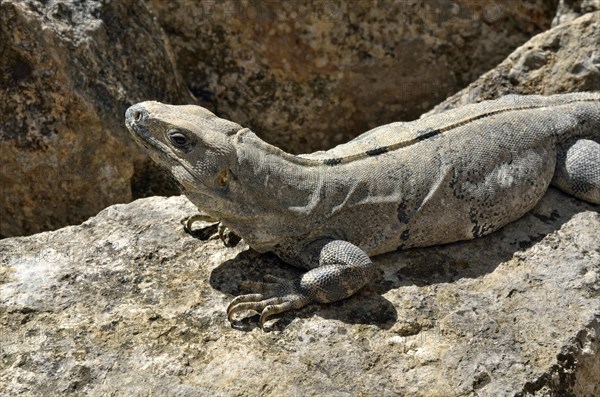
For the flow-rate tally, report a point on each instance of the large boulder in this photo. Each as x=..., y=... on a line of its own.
x=570, y=9
x=68, y=71
x=563, y=59
x=129, y=304
x=312, y=74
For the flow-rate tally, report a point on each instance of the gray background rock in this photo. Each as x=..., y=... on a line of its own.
x=563, y=59
x=128, y=304
x=307, y=75
x=571, y=9
x=68, y=71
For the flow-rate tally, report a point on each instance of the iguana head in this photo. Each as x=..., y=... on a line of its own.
x=192, y=143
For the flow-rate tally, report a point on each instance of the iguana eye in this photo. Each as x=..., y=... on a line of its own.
x=178, y=139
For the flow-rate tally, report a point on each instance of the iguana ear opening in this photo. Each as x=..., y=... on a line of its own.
x=222, y=178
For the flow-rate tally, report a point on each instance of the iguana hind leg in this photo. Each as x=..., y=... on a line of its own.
x=578, y=169
x=340, y=269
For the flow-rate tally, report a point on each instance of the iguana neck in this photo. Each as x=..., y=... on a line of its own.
x=264, y=171
x=265, y=184
x=268, y=187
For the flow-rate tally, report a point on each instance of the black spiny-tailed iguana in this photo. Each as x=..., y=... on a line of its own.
x=452, y=176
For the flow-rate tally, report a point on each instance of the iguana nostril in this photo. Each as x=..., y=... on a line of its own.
x=135, y=114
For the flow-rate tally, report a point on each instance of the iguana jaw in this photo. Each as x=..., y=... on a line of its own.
x=196, y=175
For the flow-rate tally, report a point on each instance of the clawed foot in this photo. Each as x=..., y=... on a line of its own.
x=214, y=230
x=274, y=296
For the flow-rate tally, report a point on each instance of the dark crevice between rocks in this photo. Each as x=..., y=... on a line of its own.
x=151, y=180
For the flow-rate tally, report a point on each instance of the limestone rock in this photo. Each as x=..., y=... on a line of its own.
x=68, y=71
x=570, y=9
x=563, y=59
x=128, y=304
x=312, y=74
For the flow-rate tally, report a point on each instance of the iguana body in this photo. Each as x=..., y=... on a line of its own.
x=452, y=176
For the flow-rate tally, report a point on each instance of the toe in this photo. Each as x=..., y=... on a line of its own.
x=256, y=305
x=272, y=297
x=264, y=288
x=274, y=279
x=270, y=310
x=244, y=298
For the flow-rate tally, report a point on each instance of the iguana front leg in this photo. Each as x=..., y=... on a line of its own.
x=339, y=269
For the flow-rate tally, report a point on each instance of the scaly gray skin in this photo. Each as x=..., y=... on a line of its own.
x=452, y=176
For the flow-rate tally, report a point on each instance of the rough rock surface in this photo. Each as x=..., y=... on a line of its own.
x=570, y=9
x=68, y=71
x=307, y=75
x=128, y=304
x=563, y=59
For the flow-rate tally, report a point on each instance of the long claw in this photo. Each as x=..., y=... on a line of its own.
x=229, y=238
x=280, y=308
x=242, y=299
x=212, y=231
x=196, y=218
x=273, y=297
x=256, y=306
x=343, y=269
x=203, y=232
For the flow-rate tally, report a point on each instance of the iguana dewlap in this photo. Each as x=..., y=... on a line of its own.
x=452, y=176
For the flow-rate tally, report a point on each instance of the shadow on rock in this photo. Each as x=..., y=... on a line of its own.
x=364, y=307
